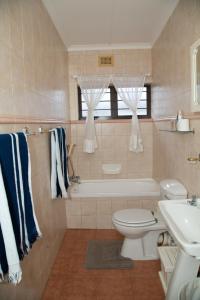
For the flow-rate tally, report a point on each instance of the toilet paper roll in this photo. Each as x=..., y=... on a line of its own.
x=183, y=125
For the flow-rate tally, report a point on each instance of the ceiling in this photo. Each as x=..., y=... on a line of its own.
x=100, y=24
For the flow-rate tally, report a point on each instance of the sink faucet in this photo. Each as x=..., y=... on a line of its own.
x=193, y=202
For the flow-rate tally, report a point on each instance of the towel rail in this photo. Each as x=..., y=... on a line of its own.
x=41, y=130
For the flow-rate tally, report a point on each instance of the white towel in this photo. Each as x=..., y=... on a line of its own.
x=14, y=269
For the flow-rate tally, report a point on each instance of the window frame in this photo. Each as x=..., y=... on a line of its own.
x=114, y=107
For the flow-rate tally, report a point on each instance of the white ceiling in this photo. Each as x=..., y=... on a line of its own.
x=99, y=24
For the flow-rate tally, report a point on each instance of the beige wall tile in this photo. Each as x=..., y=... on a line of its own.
x=104, y=221
x=33, y=68
x=74, y=221
x=134, y=203
x=89, y=222
x=73, y=207
x=104, y=207
x=88, y=207
x=171, y=92
x=113, y=148
x=149, y=204
x=118, y=204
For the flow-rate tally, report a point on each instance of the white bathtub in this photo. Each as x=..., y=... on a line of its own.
x=115, y=188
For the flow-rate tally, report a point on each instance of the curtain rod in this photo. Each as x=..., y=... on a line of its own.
x=111, y=75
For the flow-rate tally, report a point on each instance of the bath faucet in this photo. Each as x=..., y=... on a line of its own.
x=193, y=202
x=75, y=179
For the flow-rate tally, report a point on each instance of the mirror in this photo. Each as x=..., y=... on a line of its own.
x=195, y=76
x=198, y=74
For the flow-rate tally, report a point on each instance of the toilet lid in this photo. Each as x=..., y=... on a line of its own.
x=134, y=216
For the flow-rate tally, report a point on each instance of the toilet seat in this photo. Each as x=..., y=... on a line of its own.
x=134, y=217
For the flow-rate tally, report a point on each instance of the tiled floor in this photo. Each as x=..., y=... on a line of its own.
x=71, y=281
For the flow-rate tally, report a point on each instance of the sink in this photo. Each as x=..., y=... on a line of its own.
x=183, y=221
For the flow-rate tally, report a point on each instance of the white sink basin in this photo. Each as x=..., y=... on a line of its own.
x=183, y=221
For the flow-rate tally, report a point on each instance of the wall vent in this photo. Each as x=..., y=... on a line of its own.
x=106, y=61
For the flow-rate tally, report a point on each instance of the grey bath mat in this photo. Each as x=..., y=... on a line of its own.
x=105, y=254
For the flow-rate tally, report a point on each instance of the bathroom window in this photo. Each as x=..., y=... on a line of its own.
x=112, y=107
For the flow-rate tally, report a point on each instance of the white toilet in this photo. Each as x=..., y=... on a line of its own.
x=142, y=227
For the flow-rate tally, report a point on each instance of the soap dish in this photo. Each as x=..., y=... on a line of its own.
x=111, y=168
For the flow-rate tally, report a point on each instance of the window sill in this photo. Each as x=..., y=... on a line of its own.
x=101, y=121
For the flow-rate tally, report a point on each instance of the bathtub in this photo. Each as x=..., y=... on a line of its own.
x=115, y=188
x=92, y=202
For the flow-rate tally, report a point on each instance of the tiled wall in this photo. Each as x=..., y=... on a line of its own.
x=33, y=83
x=113, y=138
x=97, y=212
x=113, y=144
x=128, y=62
x=171, y=92
x=33, y=71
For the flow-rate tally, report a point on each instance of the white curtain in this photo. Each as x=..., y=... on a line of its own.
x=93, y=89
x=129, y=90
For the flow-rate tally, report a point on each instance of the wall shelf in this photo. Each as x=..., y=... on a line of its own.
x=178, y=131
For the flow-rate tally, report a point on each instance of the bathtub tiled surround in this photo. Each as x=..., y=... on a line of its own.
x=33, y=84
x=113, y=137
x=171, y=92
x=113, y=147
x=97, y=212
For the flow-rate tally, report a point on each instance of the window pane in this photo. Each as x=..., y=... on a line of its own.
x=127, y=112
x=124, y=112
x=119, y=107
x=144, y=96
x=123, y=109
x=106, y=97
x=122, y=104
x=103, y=105
x=84, y=114
x=98, y=113
x=142, y=104
x=102, y=113
x=141, y=112
x=84, y=106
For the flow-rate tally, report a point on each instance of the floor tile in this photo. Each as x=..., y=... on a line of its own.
x=113, y=286
x=76, y=285
x=147, y=288
x=70, y=280
x=109, y=234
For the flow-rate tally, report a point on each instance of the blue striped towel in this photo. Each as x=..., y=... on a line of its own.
x=16, y=172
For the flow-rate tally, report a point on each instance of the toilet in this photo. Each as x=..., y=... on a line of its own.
x=142, y=227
